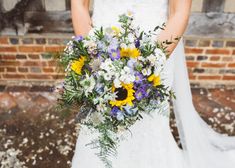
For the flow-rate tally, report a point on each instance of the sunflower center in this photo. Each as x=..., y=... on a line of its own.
x=121, y=93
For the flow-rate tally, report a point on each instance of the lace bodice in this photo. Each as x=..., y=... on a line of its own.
x=148, y=13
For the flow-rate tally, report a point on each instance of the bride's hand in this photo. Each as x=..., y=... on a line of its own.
x=82, y=23
x=179, y=11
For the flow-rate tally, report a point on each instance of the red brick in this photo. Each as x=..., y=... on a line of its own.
x=31, y=49
x=213, y=65
x=8, y=57
x=58, y=76
x=218, y=51
x=52, y=63
x=11, y=69
x=8, y=49
x=34, y=63
x=13, y=76
x=33, y=56
x=209, y=77
x=215, y=58
x=229, y=77
x=38, y=76
x=22, y=69
x=227, y=59
x=193, y=51
x=54, y=48
x=192, y=64
x=3, y=40
x=9, y=63
x=192, y=77
x=233, y=52
x=2, y=69
x=231, y=65
x=48, y=70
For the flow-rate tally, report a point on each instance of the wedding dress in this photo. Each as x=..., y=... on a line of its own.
x=151, y=144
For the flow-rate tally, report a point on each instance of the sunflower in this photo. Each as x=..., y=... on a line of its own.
x=130, y=52
x=77, y=65
x=125, y=95
x=155, y=79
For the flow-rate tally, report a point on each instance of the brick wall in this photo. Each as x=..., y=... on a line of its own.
x=27, y=58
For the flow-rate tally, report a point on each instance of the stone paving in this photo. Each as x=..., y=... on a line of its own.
x=33, y=133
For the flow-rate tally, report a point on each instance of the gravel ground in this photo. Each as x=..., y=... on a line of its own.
x=34, y=134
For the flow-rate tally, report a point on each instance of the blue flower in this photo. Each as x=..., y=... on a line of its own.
x=142, y=91
x=120, y=116
x=114, y=54
x=78, y=38
x=130, y=110
x=137, y=43
x=138, y=78
x=140, y=94
x=113, y=44
x=116, y=112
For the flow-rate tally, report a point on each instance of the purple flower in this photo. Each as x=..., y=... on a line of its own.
x=137, y=43
x=114, y=54
x=130, y=110
x=158, y=94
x=113, y=44
x=120, y=116
x=131, y=63
x=142, y=91
x=138, y=78
x=116, y=112
x=140, y=94
x=78, y=38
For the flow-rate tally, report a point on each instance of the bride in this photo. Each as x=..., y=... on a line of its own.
x=151, y=144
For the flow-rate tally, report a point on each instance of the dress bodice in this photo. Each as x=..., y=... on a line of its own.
x=148, y=13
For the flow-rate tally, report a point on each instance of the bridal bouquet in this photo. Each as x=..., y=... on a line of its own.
x=115, y=75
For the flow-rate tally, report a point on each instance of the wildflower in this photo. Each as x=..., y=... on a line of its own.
x=77, y=65
x=124, y=95
x=130, y=52
x=114, y=54
x=155, y=79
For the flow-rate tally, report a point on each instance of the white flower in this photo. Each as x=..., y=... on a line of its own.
x=152, y=59
x=160, y=55
x=141, y=58
x=88, y=84
x=123, y=45
x=109, y=96
x=131, y=38
x=107, y=65
x=107, y=76
x=95, y=64
x=132, y=45
x=126, y=75
x=144, y=72
x=117, y=83
x=158, y=70
x=97, y=118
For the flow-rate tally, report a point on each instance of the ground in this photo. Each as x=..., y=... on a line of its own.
x=33, y=133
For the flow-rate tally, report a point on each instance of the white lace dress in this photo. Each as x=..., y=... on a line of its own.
x=151, y=144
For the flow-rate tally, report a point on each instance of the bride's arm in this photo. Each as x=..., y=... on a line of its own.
x=179, y=11
x=81, y=17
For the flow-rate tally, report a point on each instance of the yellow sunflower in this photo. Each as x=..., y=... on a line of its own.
x=130, y=52
x=155, y=79
x=77, y=65
x=125, y=95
